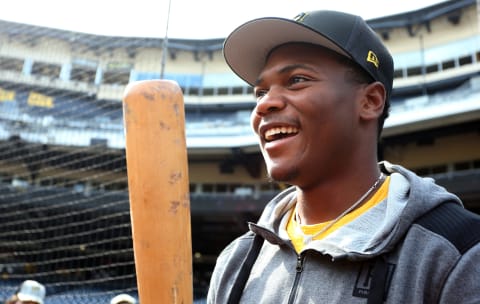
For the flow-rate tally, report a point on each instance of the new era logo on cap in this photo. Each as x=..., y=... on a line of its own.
x=371, y=57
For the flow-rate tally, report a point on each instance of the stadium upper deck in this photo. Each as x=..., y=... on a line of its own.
x=436, y=51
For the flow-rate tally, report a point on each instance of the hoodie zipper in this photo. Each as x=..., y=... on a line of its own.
x=298, y=273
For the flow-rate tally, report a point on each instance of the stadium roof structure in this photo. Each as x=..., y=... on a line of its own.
x=382, y=25
x=422, y=16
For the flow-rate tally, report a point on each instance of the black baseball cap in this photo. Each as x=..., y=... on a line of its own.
x=247, y=47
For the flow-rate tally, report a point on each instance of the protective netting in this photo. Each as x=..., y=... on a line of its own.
x=64, y=207
x=65, y=215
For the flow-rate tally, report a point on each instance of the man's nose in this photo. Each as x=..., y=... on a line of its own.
x=272, y=101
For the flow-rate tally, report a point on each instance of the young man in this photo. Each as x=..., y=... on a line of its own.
x=349, y=230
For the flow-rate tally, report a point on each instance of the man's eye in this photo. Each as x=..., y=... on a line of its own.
x=260, y=93
x=297, y=79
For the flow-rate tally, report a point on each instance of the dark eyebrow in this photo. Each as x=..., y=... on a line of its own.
x=287, y=69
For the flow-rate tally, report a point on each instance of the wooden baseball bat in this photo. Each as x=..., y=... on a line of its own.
x=157, y=169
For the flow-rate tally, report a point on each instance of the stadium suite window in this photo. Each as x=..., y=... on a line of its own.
x=414, y=71
x=116, y=77
x=116, y=186
x=82, y=74
x=465, y=60
x=5, y=178
x=398, y=73
x=222, y=187
x=476, y=164
x=467, y=165
x=444, y=168
x=117, y=72
x=11, y=64
x=450, y=64
x=223, y=90
x=461, y=166
x=208, y=188
x=439, y=169
x=192, y=91
x=238, y=90
x=432, y=68
x=243, y=90
x=208, y=91
x=46, y=69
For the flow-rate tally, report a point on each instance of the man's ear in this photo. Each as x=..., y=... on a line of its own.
x=373, y=101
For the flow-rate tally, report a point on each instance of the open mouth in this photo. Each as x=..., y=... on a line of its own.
x=279, y=133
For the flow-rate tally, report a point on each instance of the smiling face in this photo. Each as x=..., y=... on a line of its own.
x=307, y=114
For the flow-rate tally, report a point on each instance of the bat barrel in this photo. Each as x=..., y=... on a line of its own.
x=157, y=168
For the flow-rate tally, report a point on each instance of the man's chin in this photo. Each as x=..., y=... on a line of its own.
x=282, y=176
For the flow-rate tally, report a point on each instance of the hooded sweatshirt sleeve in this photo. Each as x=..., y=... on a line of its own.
x=464, y=280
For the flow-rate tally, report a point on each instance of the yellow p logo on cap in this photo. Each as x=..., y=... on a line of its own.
x=371, y=57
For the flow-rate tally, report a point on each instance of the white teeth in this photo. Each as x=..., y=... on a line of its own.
x=270, y=133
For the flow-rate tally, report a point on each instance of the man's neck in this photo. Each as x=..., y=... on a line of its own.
x=330, y=199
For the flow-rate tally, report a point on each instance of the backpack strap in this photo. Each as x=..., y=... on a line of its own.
x=244, y=273
x=458, y=225
x=455, y=223
x=379, y=281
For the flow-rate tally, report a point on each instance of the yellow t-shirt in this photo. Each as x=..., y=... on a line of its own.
x=298, y=239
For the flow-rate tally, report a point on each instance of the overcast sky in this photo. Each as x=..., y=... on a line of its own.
x=190, y=19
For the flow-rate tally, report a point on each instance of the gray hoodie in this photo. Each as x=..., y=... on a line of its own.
x=423, y=267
